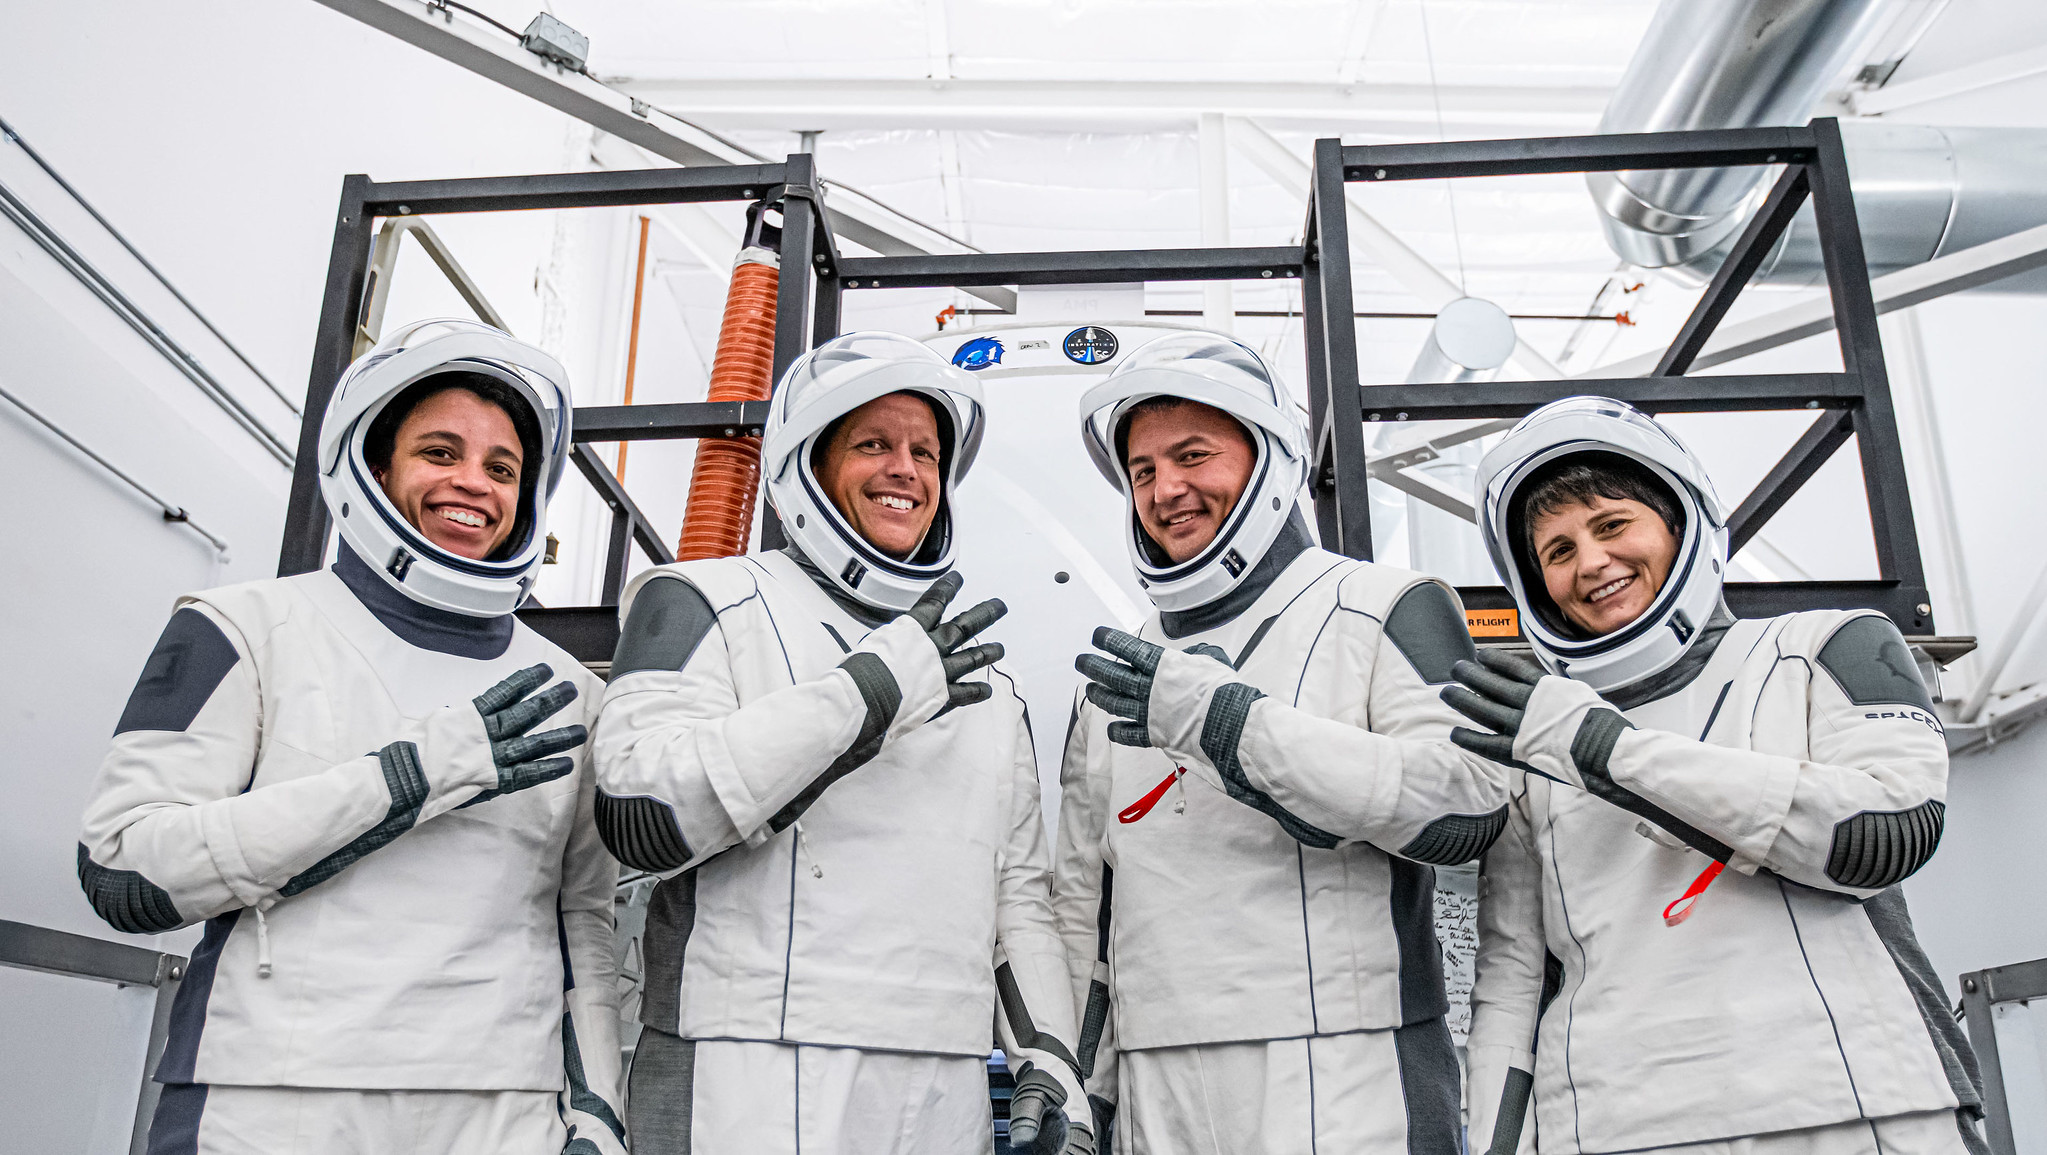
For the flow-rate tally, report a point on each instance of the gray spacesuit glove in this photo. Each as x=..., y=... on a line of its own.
x=1123, y=688
x=441, y=757
x=1557, y=728
x=948, y=636
x=526, y=760
x=1203, y=712
x=1036, y=1118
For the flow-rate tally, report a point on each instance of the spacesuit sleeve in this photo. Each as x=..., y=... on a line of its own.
x=1864, y=808
x=684, y=771
x=1081, y=888
x=1035, y=1021
x=1507, y=991
x=591, y=1093
x=173, y=834
x=1388, y=773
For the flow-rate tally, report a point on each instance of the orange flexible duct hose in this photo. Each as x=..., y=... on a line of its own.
x=726, y=478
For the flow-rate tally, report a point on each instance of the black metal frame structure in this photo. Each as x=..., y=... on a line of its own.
x=808, y=264
x=1981, y=992
x=25, y=946
x=1855, y=402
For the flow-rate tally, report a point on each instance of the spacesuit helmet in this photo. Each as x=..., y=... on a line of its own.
x=1691, y=592
x=826, y=384
x=421, y=354
x=1219, y=372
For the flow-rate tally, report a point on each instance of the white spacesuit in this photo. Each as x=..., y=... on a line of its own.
x=1255, y=952
x=341, y=774
x=1783, y=1005
x=857, y=872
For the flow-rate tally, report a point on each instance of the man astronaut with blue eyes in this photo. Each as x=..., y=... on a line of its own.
x=350, y=777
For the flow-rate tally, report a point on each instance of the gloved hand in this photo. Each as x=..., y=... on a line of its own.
x=446, y=756
x=909, y=670
x=524, y=760
x=1552, y=726
x=1190, y=705
x=947, y=637
x=1037, y=1095
x=1035, y=1118
x=1124, y=688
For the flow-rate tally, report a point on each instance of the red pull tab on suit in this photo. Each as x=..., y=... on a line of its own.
x=1142, y=806
x=1689, y=900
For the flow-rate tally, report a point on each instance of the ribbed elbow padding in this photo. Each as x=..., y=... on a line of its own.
x=641, y=832
x=129, y=902
x=1876, y=849
x=1457, y=838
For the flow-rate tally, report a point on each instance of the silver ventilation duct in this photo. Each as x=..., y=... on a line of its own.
x=1923, y=192
x=1469, y=341
x=1715, y=64
x=1920, y=191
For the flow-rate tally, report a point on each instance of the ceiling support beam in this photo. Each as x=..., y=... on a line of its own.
x=855, y=216
x=1968, y=269
x=1410, y=268
x=1360, y=107
x=1954, y=82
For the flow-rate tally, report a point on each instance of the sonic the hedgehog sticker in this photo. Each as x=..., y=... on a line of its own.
x=1090, y=345
x=978, y=353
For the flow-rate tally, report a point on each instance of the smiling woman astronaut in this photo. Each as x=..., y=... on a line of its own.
x=1784, y=1005
x=408, y=939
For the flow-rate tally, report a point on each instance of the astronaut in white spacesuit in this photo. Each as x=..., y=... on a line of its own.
x=1782, y=1005
x=1255, y=951
x=363, y=783
x=856, y=893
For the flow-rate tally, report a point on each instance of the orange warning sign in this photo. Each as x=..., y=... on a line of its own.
x=1493, y=623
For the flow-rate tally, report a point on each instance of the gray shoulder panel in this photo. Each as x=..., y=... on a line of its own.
x=191, y=659
x=1868, y=660
x=1429, y=632
x=668, y=621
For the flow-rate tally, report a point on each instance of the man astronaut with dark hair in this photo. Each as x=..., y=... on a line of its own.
x=1254, y=952
x=1691, y=932
x=345, y=775
x=855, y=900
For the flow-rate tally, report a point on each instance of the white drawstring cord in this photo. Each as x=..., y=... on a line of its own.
x=803, y=847
x=262, y=945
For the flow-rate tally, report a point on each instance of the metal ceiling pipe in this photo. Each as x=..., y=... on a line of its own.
x=1715, y=64
x=1470, y=340
x=1923, y=192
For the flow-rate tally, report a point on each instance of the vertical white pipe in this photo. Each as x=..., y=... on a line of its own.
x=1218, y=310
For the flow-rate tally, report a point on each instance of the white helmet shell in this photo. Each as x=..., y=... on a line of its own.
x=1216, y=371
x=1656, y=640
x=824, y=385
x=374, y=528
